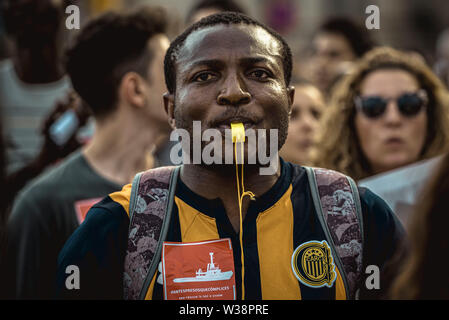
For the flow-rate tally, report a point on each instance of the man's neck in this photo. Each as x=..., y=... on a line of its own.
x=119, y=150
x=221, y=183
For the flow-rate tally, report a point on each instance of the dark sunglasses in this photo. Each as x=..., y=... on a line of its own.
x=409, y=104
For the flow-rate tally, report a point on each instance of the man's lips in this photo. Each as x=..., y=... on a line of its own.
x=246, y=125
x=226, y=124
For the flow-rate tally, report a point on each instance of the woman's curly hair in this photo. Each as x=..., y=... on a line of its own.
x=338, y=145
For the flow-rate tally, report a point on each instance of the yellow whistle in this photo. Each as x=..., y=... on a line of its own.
x=238, y=132
x=238, y=135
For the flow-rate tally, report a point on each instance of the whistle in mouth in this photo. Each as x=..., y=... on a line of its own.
x=238, y=132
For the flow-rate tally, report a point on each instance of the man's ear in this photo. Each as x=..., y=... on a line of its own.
x=291, y=97
x=132, y=89
x=169, y=105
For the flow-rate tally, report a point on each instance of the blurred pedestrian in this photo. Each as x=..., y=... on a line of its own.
x=116, y=66
x=33, y=80
x=336, y=45
x=390, y=112
x=51, y=152
x=304, y=122
x=204, y=8
x=441, y=65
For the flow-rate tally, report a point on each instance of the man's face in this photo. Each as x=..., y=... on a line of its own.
x=157, y=45
x=330, y=53
x=230, y=74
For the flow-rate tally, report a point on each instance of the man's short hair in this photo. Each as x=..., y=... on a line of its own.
x=227, y=18
x=109, y=47
x=356, y=34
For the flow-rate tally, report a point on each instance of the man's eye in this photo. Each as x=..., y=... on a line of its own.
x=202, y=77
x=259, y=74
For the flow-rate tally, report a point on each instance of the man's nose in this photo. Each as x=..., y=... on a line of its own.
x=233, y=92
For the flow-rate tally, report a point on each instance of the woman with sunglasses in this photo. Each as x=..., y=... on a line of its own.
x=389, y=112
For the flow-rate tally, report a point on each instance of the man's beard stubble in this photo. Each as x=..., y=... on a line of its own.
x=281, y=125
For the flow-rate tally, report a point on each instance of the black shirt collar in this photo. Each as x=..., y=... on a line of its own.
x=262, y=202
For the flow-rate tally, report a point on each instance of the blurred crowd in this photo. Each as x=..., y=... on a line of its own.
x=81, y=115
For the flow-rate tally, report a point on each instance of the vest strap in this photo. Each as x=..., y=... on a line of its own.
x=151, y=203
x=337, y=203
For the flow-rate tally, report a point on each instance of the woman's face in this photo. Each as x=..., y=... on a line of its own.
x=304, y=124
x=392, y=139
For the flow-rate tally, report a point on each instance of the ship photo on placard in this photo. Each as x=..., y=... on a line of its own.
x=212, y=273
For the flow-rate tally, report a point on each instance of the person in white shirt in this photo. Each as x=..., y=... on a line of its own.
x=33, y=80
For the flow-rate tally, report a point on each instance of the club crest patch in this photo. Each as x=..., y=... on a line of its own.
x=313, y=265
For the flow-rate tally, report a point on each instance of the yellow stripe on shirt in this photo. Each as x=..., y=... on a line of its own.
x=340, y=293
x=275, y=247
x=195, y=226
x=123, y=197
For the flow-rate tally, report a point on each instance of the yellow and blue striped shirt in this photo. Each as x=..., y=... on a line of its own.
x=276, y=223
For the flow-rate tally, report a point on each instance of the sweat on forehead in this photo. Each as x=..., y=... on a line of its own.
x=259, y=30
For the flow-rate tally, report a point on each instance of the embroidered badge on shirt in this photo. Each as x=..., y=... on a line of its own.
x=313, y=265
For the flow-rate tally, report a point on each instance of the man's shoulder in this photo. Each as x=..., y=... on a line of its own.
x=384, y=238
x=301, y=170
x=50, y=182
x=61, y=186
x=375, y=208
x=106, y=213
x=298, y=172
x=121, y=198
x=106, y=221
x=98, y=248
x=42, y=204
x=382, y=229
x=322, y=177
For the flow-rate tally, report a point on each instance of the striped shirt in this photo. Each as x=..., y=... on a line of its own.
x=276, y=223
x=24, y=108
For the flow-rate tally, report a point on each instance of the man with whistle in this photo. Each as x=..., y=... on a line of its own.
x=225, y=231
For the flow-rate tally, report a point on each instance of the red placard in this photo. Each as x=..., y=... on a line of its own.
x=83, y=206
x=201, y=270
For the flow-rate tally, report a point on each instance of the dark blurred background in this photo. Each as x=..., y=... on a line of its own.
x=407, y=24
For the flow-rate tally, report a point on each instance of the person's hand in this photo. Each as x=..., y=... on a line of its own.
x=52, y=152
